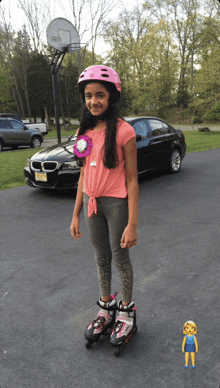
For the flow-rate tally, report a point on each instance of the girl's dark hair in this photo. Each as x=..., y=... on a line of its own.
x=111, y=115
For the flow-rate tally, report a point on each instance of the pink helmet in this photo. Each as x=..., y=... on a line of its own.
x=100, y=73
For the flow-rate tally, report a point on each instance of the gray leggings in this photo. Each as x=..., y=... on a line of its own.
x=111, y=218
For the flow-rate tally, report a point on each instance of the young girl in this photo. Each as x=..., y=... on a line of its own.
x=190, y=344
x=108, y=190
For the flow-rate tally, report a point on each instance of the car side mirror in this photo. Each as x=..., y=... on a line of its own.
x=72, y=137
x=138, y=137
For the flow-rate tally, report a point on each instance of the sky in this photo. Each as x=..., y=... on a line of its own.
x=13, y=12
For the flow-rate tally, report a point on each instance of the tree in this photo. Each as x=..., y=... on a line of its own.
x=20, y=62
x=7, y=36
x=98, y=12
x=207, y=84
x=37, y=18
x=144, y=57
x=40, y=86
x=6, y=100
x=185, y=24
x=68, y=90
x=68, y=93
x=88, y=17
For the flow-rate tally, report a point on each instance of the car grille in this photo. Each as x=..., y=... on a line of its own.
x=44, y=166
x=49, y=166
x=36, y=166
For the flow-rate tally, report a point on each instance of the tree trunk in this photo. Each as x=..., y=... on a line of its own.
x=18, y=93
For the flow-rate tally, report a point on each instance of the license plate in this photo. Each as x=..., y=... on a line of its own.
x=41, y=176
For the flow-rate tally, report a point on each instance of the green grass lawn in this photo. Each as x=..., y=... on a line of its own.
x=53, y=132
x=12, y=163
x=201, y=141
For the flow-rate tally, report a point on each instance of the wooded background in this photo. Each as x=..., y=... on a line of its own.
x=167, y=54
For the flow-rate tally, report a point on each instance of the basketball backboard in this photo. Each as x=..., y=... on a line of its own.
x=62, y=35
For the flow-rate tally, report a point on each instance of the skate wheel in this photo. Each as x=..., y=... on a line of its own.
x=117, y=352
x=88, y=344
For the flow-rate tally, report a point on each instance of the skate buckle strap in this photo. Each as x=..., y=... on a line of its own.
x=125, y=330
x=110, y=306
x=126, y=308
x=101, y=320
x=106, y=316
x=123, y=319
x=122, y=327
x=114, y=296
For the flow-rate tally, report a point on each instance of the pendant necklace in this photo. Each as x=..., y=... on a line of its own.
x=93, y=163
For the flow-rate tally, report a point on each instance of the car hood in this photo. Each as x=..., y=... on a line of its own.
x=56, y=153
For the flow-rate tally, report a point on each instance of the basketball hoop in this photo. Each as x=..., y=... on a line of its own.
x=62, y=36
x=72, y=47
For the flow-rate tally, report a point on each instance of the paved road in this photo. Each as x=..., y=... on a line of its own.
x=50, y=142
x=185, y=127
x=48, y=287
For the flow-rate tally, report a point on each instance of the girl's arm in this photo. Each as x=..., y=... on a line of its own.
x=183, y=345
x=130, y=157
x=79, y=197
x=196, y=344
x=129, y=237
x=74, y=227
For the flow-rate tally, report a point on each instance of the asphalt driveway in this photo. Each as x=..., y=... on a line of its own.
x=49, y=287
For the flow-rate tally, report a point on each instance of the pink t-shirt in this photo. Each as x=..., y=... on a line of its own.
x=98, y=180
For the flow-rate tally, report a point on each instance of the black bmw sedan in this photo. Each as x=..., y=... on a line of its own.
x=159, y=147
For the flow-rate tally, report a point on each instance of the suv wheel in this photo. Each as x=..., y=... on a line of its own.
x=175, y=161
x=36, y=142
x=1, y=146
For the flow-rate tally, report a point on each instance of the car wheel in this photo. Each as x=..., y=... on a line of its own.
x=1, y=146
x=36, y=142
x=175, y=161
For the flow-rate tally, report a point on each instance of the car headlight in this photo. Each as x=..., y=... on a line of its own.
x=28, y=163
x=70, y=165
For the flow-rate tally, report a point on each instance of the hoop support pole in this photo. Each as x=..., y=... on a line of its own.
x=55, y=65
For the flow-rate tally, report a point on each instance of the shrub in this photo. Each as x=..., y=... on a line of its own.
x=213, y=115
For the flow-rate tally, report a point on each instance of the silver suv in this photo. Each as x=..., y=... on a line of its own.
x=13, y=134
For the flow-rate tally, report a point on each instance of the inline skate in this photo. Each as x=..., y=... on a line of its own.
x=124, y=327
x=105, y=320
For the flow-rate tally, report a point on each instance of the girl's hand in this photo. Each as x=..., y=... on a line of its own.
x=74, y=228
x=129, y=237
